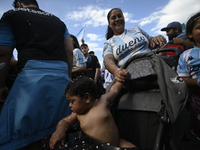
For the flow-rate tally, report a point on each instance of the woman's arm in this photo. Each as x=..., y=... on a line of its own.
x=120, y=74
x=79, y=70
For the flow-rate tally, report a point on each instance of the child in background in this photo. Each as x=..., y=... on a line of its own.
x=92, y=67
x=189, y=70
x=93, y=114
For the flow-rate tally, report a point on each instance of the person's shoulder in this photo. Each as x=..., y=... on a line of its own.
x=8, y=12
x=93, y=56
x=182, y=36
x=187, y=52
x=77, y=50
x=133, y=29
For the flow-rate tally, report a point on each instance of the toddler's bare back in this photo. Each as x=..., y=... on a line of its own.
x=99, y=124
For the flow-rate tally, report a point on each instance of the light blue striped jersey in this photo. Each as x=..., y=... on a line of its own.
x=78, y=59
x=132, y=41
x=189, y=63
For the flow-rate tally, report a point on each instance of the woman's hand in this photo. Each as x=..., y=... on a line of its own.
x=121, y=75
x=158, y=41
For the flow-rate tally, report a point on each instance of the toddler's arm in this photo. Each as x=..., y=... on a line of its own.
x=61, y=128
x=113, y=92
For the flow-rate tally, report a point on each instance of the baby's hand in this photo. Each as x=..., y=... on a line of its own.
x=56, y=137
x=121, y=75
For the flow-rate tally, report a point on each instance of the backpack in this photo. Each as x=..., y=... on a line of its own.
x=171, y=45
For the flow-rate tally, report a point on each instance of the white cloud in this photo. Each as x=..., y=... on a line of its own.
x=90, y=15
x=175, y=10
x=94, y=37
x=94, y=16
x=94, y=46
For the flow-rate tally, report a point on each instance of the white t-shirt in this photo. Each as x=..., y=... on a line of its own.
x=78, y=59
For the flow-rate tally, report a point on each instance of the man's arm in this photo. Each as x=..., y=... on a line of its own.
x=180, y=41
x=5, y=58
x=69, y=53
x=79, y=70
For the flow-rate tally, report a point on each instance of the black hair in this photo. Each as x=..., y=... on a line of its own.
x=190, y=24
x=76, y=43
x=81, y=85
x=83, y=44
x=91, y=52
x=110, y=32
x=25, y=2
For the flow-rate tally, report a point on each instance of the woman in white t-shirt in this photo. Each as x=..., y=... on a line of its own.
x=123, y=43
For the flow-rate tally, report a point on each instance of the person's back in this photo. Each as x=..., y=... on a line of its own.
x=36, y=101
x=99, y=123
x=36, y=34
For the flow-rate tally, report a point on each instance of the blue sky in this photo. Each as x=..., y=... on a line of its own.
x=150, y=15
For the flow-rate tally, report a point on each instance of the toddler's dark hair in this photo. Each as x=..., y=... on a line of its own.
x=81, y=85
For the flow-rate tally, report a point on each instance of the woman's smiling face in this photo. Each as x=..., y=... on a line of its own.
x=116, y=21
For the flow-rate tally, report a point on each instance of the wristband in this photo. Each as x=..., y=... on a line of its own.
x=198, y=82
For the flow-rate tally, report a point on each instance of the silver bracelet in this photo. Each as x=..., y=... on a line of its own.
x=198, y=82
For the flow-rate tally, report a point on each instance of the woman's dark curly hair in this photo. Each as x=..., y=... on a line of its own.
x=190, y=24
x=80, y=86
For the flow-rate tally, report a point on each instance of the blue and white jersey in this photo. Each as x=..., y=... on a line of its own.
x=189, y=63
x=78, y=59
x=132, y=41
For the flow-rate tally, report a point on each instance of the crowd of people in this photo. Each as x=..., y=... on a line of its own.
x=60, y=82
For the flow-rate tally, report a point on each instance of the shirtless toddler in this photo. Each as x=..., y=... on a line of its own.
x=93, y=114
